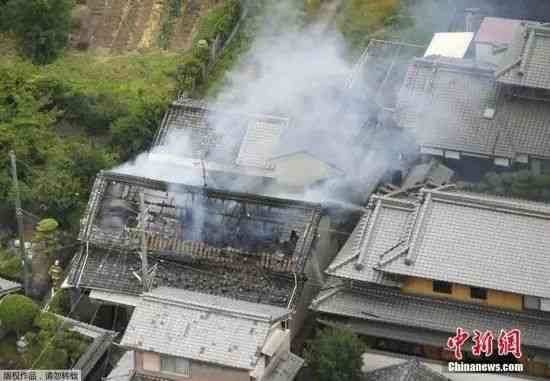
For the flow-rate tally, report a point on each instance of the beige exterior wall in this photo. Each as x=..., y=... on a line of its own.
x=149, y=363
x=301, y=169
x=459, y=292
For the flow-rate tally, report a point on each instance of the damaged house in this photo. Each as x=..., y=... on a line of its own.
x=493, y=114
x=419, y=265
x=138, y=234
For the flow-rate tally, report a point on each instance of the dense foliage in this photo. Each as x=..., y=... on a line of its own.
x=52, y=345
x=61, y=302
x=335, y=355
x=17, y=313
x=521, y=184
x=218, y=23
x=54, y=132
x=41, y=27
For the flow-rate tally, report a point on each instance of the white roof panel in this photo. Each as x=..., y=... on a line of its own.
x=453, y=45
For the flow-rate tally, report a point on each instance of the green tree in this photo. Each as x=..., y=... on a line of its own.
x=134, y=134
x=335, y=355
x=17, y=313
x=41, y=27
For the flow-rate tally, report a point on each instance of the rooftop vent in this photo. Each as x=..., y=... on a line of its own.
x=489, y=113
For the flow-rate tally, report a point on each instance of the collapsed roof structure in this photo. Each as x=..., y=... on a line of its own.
x=239, y=245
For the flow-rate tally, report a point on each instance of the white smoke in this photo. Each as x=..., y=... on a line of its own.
x=297, y=71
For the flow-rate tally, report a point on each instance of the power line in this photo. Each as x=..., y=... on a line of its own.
x=20, y=227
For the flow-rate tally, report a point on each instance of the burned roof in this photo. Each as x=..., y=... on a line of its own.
x=455, y=104
x=442, y=234
x=242, y=245
x=114, y=271
x=200, y=327
x=378, y=306
x=527, y=60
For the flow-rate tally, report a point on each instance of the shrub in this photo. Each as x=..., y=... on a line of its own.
x=17, y=313
x=60, y=303
x=335, y=355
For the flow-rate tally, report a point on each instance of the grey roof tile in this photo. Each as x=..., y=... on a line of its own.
x=475, y=240
x=412, y=370
x=391, y=306
x=204, y=328
x=443, y=101
x=480, y=241
x=527, y=60
x=252, y=141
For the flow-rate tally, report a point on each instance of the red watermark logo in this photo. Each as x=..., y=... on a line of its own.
x=508, y=343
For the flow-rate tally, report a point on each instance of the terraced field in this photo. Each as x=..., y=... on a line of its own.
x=118, y=26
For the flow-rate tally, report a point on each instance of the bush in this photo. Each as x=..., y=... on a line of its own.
x=10, y=266
x=335, y=355
x=60, y=303
x=219, y=21
x=64, y=346
x=188, y=73
x=134, y=134
x=17, y=313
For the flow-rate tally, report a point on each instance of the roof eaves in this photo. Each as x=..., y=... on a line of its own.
x=204, y=307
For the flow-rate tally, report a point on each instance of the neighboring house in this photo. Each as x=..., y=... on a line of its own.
x=237, y=151
x=458, y=109
x=417, y=266
x=412, y=370
x=454, y=45
x=183, y=335
x=8, y=287
x=238, y=245
x=494, y=37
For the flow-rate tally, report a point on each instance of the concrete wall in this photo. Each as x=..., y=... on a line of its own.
x=460, y=292
x=149, y=363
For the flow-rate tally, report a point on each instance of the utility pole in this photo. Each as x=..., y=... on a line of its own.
x=144, y=264
x=19, y=217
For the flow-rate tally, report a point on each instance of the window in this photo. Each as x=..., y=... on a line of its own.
x=175, y=365
x=442, y=287
x=478, y=293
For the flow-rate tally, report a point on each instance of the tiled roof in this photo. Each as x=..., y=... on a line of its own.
x=506, y=242
x=463, y=238
x=201, y=327
x=390, y=306
x=446, y=104
x=286, y=369
x=381, y=228
x=7, y=286
x=250, y=143
x=113, y=271
x=412, y=370
x=527, y=60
